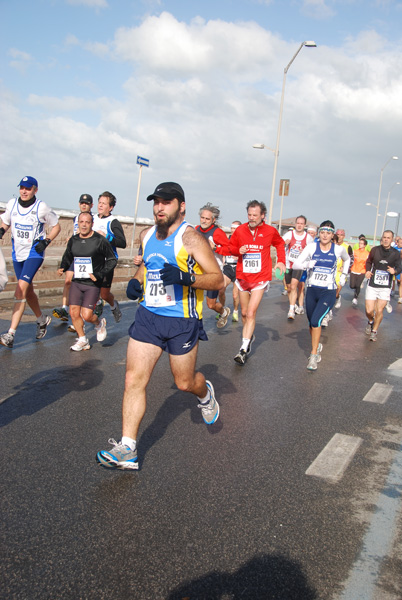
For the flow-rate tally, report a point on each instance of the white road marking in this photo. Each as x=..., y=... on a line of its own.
x=334, y=459
x=379, y=393
x=396, y=367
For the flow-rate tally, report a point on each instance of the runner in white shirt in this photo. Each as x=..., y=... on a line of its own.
x=320, y=258
x=27, y=217
x=295, y=241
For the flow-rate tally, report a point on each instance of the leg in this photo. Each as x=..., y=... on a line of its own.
x=292, y=291
x=107, y=296
x=66, y=288
x=235, y=297
x=370, y=309
x=379, y=313
x=75, y=313
x=185, y=376
x=249, y=303
x=141, y=361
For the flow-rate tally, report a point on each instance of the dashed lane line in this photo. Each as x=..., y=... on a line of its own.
x=379, y=393
x=334, y=459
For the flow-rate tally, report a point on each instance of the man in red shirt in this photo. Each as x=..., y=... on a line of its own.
x=218, y=240
x=252, y=242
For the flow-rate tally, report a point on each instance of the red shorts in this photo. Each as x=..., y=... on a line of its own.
x=247, y=286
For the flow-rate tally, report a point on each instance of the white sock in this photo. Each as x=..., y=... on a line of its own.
x=292, y=307
x=244, y=344
x=41, y=320
x=12, y=331
x=82, y=339
x=206, y=399
x=65, y=306
x=127, y=441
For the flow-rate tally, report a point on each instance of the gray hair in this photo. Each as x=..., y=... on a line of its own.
x=212, y=209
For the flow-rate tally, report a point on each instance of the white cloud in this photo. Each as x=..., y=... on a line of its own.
x=89, y=3
x=317, y=9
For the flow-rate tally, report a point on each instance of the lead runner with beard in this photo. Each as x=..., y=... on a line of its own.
x=178, y=265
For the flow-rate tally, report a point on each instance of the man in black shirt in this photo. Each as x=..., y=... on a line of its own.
x=382, y=264
x=93, y=258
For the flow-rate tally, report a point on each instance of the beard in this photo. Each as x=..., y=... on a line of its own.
x=162, y=228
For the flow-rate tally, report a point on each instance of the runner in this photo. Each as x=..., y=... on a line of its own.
x=85, y=204
x=321, y=260
x=358, y=270
x=340, y=233
x=383, y=262
x=252, y=242
x=178, y=265
x=92, y=258
x=295, y=241
x=217, y=239
x=27, y=218
x=3, y=272
x=111, y=229
x=229, y=276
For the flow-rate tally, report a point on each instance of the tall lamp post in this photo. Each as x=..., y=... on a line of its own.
x=386, y=206
x=379, y=196
x=278, y=135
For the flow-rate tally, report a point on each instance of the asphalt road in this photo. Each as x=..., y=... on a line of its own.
x=219, y=512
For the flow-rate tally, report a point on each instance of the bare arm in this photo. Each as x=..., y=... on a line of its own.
x=198, y=247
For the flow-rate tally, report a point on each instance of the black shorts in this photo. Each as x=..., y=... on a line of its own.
x=293, y=274
x=175, y=334
x=83, y=295
x=107, y=280
x=230, y=271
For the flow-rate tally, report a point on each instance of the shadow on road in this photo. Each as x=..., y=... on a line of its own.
x=47, y=387
x=264, y=577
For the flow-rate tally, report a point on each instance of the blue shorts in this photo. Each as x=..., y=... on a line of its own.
x=212, y=294
x=27, y=269
x=175, y=334
x=319, y=302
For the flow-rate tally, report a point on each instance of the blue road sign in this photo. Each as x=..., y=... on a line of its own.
x=142, y=161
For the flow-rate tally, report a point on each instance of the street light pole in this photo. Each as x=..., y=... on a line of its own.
x=278, y=135
x=379, y=197
x=386, y=206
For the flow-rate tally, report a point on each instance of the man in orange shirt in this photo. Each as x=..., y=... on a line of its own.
x=358, y=270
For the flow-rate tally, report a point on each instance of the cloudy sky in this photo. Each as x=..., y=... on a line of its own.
x=88, y=85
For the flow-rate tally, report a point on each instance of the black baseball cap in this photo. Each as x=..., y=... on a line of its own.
x=86, y=199
x=168, y=191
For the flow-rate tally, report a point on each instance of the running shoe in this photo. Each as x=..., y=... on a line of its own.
x=60, y=313
x=388, y=307
x=330, y=315
x=98, y=310
x=284, y=293
x=235, y=316
x=373, y=336
x=7, y=340
x=299, y=310
x=325, y=321
x=41, y=328
x=116, y=312
x=338, y=303
x=291, y=314
x=319, y=350
x=210, y=410
x=71, y=328
x=101, y=332
x=241, y=356
x=399, y=300
x=312, y=362
x=354, y=301
x=369, y=327
x=249, y=345
x=81, y=345
x=119, y=457
x=223, y=319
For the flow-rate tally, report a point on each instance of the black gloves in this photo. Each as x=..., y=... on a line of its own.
x=42, y=245
x=134, y=289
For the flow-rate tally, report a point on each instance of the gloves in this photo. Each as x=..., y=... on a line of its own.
x=342, y=279
x=42, y=245
x=134, y=289
x=2, y=232
x=171, y=275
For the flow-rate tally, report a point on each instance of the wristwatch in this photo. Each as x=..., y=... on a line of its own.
x=192, y=279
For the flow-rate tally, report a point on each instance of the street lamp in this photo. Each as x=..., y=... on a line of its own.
x=386, y=206
x=397, y=215
x=278, y=136
x=379, y=196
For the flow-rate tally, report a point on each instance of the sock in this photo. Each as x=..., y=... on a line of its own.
x=127, y=441
x=41, y=320
x=292, y=307
x=244, y=343
x=65, y=306
x=206, y=399
x=82, y=339
x=113, y=307
x=12, y=331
